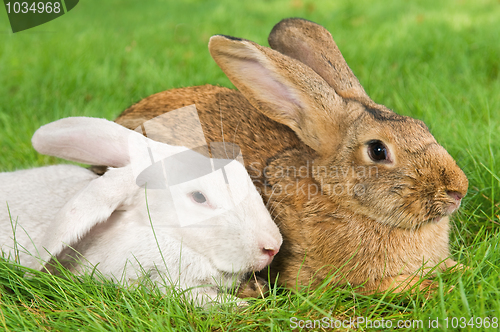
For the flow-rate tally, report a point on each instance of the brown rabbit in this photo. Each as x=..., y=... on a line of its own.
x=358, y=191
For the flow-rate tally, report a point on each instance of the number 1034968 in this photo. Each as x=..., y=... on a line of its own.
x=35, y=7
x=474, y=322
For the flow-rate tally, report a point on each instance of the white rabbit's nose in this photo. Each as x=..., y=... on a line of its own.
x=268, y=247
x=271, y=246
x=270, y=251
x=266, y=256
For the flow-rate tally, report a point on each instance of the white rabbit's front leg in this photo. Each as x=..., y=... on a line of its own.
x=92, y=205
x=206, y=297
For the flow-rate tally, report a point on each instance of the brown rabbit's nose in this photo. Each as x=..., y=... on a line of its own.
x=455, y=195
x=270, y=251
x=457, y=198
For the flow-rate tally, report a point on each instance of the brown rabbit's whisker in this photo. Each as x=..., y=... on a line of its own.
x=397, y=191
x=412, y=221
x=235, y=132
x=274, y=206
x=275, y=217
x=270, y=204
x=222, y=129
x=401, y=216
x=412, y=178
x=401, y=219
x=402, y=209
x=272, y=193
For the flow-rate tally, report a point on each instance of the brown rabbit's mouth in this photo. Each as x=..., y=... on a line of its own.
x=412, y=215
x=448, y=210
x=435, y=220
x=409, y=221
x=417, y=202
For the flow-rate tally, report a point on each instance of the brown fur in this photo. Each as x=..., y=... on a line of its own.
x=301, y=115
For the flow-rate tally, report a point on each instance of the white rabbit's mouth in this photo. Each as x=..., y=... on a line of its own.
x=262, y=262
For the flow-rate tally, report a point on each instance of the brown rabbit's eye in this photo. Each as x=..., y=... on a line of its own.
x=377, y=151
x=198, y=197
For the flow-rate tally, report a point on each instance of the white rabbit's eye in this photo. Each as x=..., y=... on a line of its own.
x=377, y=151
x=198, y=197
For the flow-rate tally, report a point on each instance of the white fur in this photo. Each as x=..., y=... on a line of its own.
x=32, y=198
x=84, y=220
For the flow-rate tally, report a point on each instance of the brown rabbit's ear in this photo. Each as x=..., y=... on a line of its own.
x=282, y=88
x=313, y=45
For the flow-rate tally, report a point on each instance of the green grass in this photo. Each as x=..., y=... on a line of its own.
x=438, y=61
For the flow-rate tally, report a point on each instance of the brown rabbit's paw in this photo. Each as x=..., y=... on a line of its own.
x=427, y=287
x=255, y=287
x=403, y=283
x=452, y=266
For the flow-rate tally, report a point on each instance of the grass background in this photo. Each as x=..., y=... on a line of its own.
x=438, y=61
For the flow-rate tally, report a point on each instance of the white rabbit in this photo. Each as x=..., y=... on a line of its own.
x=31, y=199
x=156, y=210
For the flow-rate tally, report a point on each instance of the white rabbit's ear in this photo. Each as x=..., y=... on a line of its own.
x=90, y=141
x=94, y=204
